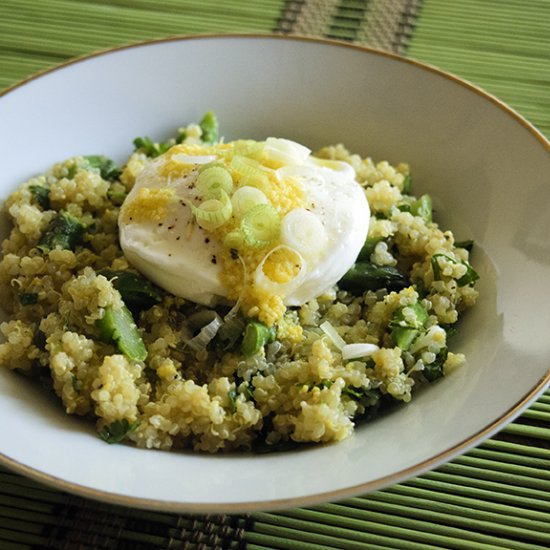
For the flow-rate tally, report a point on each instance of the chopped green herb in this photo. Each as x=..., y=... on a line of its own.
x=404, y=207
x=41, y=195
x=232, y=395
x=118, y=326
x=367, y=397
x=323, y=384
x=209, y=127
x=151, y=148
x=39, y=340
x=247, y=391
x=72, y=170
x=180, y=138
x=28, y=298
x=64, y=231
x=117, y=431
x=136, y=291
x=434, y=370
x=470, y=277
x=261, y=446
x=451, y=331
x=151, y=375
x=76, y=383
x=256, y=336
x=422, y=207
x=116, y=196
x=366, y=276
x=108, y=170
x=406, y=184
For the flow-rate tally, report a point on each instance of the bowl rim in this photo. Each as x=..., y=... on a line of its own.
x=334, y=495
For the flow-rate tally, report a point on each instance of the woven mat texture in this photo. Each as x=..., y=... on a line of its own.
x=497, y=495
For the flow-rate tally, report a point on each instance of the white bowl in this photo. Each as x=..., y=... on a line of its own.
x=485, y=166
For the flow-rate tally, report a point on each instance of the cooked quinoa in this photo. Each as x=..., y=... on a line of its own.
x=296, y=388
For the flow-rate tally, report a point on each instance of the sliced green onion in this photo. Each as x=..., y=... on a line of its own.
x=247, y=167
x=213, y=179
x=264, y=282
x=234, y=239
x=204, y=167
x=206, y=334
x=213, y=213
x=423, y=207
x=259, y=181
x=248, y=148
x=245, y=198
x=331, y=332
x=285, y=151
x=354, y=351
x=304, y=231
x=260, y=226
x=193, y=159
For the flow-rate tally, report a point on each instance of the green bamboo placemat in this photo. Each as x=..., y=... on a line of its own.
x=496, y=496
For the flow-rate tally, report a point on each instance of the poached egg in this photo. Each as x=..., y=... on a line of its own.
x=190, y=237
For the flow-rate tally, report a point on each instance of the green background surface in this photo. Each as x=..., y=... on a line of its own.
x=496, y=496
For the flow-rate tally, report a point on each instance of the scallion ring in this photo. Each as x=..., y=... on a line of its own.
x=285, y=151
x=332, y=333
x=268, y=283
x=355, y=351
x=245, y=166
x=206, y=335
x=213, y=179
x=248, y=148
x=304, y=231
x=234, y=239
x=193, y=159
x=213, y=213
x=260, y=226
x=245, y=198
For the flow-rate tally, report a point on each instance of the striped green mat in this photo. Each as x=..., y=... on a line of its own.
x=496, y=496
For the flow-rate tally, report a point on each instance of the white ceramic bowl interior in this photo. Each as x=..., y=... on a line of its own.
x=485, y=167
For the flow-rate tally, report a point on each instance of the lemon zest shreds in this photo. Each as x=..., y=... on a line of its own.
x=285, y=195
x=150, y=204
